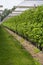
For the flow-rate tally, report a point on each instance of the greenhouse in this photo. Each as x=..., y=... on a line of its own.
x=21, y=32
x=26, y=4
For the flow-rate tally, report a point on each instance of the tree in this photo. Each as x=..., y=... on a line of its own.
x=5, y=13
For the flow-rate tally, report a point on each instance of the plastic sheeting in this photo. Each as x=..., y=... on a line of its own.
x=31, y=3
x=21, y=9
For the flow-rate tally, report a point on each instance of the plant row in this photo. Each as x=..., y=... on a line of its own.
x=29, y=24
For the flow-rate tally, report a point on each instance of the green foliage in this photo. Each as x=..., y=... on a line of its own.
x=36, y=62
x=5, y=13
x=13, y=8
x=29, y=24
x=36, y=50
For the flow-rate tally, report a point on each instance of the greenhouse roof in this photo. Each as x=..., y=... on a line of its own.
x=26, y=4
x=20, y=9
x=29, y=3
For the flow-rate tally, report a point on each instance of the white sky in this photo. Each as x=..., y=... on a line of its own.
x=9, y=3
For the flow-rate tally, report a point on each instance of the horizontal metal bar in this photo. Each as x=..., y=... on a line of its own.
x=25, y=6
x=1, y=10
x=18, y=11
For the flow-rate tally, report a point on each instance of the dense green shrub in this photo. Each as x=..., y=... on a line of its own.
x=29, y=24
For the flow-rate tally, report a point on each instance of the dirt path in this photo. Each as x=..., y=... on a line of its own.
x=28, y=46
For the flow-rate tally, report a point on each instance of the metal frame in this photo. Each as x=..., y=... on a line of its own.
x=1, y=6
x=25, y=6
